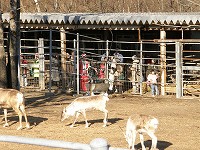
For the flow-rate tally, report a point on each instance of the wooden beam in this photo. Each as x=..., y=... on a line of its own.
x=177, y=40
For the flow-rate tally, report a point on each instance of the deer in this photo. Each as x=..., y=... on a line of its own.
x=98, y=87
x=12, y=98
x=83, y=104
x=139, y=124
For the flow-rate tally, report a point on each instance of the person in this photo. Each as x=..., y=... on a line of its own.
x=152, y=80
x=55, y=74
x=84, y=64
x=151, y=65
x=118, y=57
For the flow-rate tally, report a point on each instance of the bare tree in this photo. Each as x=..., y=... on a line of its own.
x=14, y=42
x=3, y=79
x=107, y=6
x=37, y=5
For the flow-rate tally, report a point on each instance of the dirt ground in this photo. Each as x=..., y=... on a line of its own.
x=179, y=121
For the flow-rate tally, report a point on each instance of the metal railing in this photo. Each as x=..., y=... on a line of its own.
x=95, y=144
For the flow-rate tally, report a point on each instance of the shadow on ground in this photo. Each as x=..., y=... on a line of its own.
x=161, y=145
x=91, y=122
x=45, y=99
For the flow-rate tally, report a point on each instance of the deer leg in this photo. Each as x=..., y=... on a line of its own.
x=19, y=113
x=154, y=140
x=92, y=86
x=105, y=120
x=24, y=113
x=133, y=140
x=6, y=120
x=76, y=117
x=142, y=141
x=86, y=123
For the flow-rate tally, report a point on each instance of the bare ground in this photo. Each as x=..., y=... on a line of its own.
x=179, y=121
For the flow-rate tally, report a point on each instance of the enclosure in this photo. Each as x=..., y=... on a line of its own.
x=178, y=121
x=75, y=60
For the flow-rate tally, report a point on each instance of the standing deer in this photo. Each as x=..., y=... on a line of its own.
x=141, y=124
x=82, y=104
x=11, y=98
x=98, y=87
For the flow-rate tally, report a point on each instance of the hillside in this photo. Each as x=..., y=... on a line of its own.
x=105, y=6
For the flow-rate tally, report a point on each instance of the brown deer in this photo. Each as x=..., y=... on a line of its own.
x=82, y=104
x=138, y=123
x=97, y=87
x=11, y=98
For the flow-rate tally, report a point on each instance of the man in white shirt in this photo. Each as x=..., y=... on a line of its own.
x=152, y=80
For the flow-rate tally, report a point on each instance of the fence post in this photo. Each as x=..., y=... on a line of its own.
x=63, y=58
x=163, y=62
x=99, y=144
x=41, y=63
x=179, y=87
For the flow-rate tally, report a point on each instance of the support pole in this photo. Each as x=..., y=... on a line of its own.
x=41, y=63
x=163, y=62
x=63, y=58
x=77, y=60
x=75, y=66
x=107, y=55
x=179, y=89
x=50, y=57
x=141, y=68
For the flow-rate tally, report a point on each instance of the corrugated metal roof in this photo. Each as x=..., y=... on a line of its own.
x=109, y=18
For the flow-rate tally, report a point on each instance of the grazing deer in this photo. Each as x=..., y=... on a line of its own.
x=98, y=87
x=82, y=104
x=11, y=98
x=141, y=124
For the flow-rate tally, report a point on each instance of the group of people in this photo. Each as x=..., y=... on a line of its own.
x=151, y=77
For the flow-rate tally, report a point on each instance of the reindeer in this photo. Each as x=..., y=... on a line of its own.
x=82, y=104
x=11, y=98
x=141, y=124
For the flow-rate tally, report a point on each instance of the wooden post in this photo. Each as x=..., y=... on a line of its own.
x=163, y=62
x=63, y=58
x=41, y=63
x=179, y=86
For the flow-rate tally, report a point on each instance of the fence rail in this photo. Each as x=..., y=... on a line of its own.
x=96, y=144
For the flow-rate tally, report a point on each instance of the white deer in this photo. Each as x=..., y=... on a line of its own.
x=82, y=104
x=11, y=98
x=138, y=123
